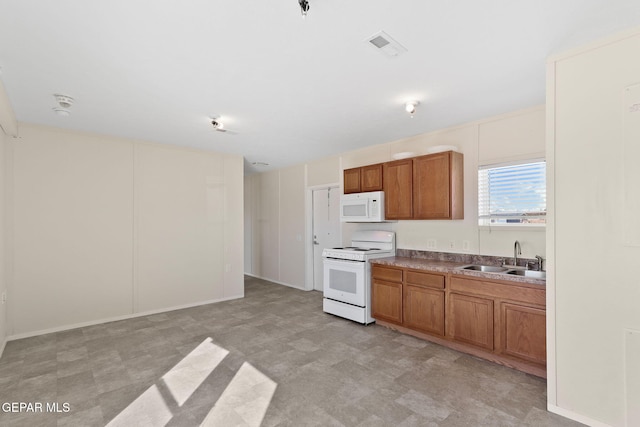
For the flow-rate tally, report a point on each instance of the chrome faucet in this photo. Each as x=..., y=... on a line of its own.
x=540, y=260
x=516, y=251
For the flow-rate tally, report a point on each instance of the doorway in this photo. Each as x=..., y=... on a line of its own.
x=325, y=227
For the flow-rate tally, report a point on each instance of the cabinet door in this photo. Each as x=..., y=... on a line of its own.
x=351, y=180
x=431, y=187
x=424, y=309
x=471, y=320
x=386, y=301
x=371, y=178
x=524, y=332
x=398, y=189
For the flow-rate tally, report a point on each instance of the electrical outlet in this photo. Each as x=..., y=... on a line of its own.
x=227, y=268
x=4, y=297
x=452, y=244
x=431, y=243
x=466, y=245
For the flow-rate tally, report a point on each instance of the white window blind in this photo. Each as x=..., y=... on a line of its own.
x=512, y=194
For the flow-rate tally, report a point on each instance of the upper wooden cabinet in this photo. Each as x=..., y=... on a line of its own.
x=351, y=180
x=371, y=178
x=425, y=187
x=363, y=179
x=398, y=189
x=438, y=187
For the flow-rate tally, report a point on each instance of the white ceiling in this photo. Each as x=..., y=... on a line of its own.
x=294, y=89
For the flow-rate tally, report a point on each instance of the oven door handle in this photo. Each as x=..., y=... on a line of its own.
x=338, y=261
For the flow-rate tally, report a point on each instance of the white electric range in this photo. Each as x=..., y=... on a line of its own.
x=347, y=274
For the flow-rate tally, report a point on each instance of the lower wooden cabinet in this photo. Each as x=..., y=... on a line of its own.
x=424, y=309
x=498, y=320
x=386, y=301
x=471, y=320
x=523, y=332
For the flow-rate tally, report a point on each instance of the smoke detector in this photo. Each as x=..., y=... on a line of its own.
x=64, y=103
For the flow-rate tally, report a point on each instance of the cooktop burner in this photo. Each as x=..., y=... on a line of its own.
x=364, y=246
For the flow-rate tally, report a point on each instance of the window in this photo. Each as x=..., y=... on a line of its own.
x=512, y=194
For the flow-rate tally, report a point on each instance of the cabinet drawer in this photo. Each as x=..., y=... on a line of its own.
x=499, y=290
x=387, y=273
x=426, y=279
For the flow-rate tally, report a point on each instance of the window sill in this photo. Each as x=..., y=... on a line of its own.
x=527, y=228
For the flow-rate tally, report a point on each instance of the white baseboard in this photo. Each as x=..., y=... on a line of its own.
x=115, y=319
x=575, y=416
x=278, y=282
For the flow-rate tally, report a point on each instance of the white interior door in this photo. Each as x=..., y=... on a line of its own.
x=326, y=227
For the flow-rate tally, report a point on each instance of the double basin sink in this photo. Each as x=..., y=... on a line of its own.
x=533, y=274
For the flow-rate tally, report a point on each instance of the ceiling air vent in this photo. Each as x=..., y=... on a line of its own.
x=384, y=43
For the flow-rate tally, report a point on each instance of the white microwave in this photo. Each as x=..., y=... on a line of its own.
x=362, y=207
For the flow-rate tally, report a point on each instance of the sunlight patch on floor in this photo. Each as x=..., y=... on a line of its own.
x=149, y=409
x=185, y=378
x=245, y=400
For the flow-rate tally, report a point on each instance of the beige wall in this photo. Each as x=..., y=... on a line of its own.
x=275, y=201
x=3, y=282
x=275, y=217
x=323, y=172
x=106, y=228
x=292, y=226
x=8, y=128
x=593, y=291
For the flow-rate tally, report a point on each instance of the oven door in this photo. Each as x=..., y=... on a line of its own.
x=345, y=281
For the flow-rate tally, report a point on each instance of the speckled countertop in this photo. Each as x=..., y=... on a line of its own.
x=450, y=263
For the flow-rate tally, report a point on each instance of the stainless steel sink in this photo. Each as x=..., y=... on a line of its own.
x=485, y=268
x=529, y=273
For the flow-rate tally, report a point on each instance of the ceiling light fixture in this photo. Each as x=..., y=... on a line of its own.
x=65, y=102
x=217, y=124
x=410, y=107
x=304, y=7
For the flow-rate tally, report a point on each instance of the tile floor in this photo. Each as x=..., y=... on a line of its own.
x=272, y=358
